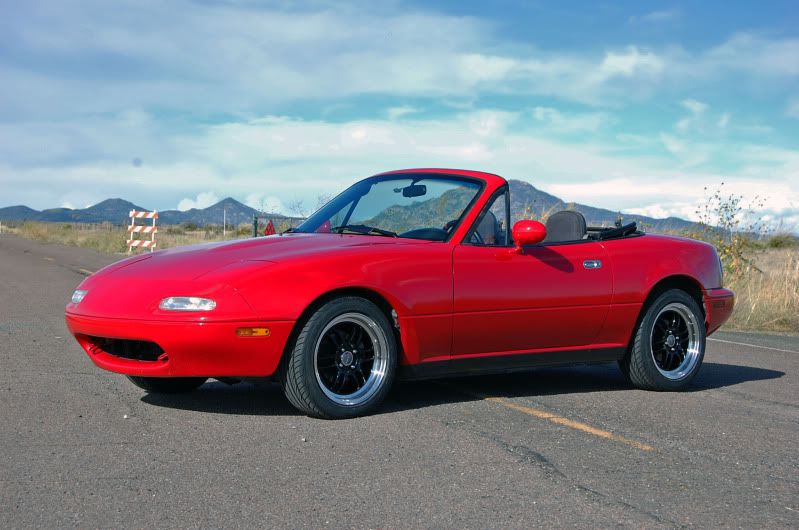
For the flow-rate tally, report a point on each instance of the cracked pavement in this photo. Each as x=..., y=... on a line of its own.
x=85, y=448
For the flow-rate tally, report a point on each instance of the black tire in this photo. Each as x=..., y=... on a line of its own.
x=303, y=376
x=167, y=385
x=655, y=362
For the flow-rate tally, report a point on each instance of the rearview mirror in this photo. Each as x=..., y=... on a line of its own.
x=528, y=233
x=414, y=190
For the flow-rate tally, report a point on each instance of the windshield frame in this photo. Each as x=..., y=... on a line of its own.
x=412, y=175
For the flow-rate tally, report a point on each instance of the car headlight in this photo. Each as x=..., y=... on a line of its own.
x=186, y=303
x=78, y=295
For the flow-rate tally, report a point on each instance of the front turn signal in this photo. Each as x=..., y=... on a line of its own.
x=253, y=332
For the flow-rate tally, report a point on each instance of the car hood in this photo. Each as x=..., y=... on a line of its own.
x=196, y=261
x=132, y=288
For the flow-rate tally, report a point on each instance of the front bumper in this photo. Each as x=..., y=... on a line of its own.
x=207, y=349
x=719, y=304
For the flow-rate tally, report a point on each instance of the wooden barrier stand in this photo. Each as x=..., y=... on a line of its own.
x=142, y=230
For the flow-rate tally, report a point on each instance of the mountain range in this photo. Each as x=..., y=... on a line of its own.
x=526, y=200
x=116, y=211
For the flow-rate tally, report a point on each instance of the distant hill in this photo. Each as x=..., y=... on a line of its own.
x=448, y=205
x=117, y=210
x=526, y=200
x=113, y=210
x=230, y=209
x=18, y=213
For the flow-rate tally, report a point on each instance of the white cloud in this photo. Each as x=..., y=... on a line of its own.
x=630, y=62
x=266, y=203
x=680, y=196
x=696, y=107
x=661, y=211
x=754, y=54
x=475, y=67
x=561, y=122
x=245, y=58
x=694, y=120
x=792, y=109
x=656, y=16
x=203, y=200
x=689, y=153
x=79, y=123
x=280, y=159
x=395, y=113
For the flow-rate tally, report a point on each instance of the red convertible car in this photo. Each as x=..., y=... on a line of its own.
x=411, y=274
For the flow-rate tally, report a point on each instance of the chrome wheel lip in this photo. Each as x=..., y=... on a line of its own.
x=377, y=374
x=693, y=349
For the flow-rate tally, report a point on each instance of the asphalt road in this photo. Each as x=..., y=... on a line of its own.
x=565, y=447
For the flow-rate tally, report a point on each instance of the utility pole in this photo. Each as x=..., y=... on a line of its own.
x=224, y=223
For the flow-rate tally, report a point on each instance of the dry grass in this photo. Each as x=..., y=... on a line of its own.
x=112, y=239
x=767, y=294
x=767, y=288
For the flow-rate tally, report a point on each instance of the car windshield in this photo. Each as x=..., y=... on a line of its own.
x=414, y=206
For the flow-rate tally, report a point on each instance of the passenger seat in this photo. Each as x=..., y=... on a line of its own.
x=566, y=225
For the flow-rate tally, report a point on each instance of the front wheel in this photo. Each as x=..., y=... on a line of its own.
x=343, y=361
x=669, y=344
x=167, y=385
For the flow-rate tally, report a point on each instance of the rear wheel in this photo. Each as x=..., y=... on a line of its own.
x=669, y=344
x=167, y=385
x=343, y=360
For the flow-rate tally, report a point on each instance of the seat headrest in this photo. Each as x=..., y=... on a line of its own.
x=488, y=228
x=567, y=225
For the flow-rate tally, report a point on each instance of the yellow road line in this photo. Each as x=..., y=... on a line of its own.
x=566, y=422
x=559, y=420
x=86, y=272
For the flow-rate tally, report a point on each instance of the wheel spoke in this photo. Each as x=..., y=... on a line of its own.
x=336, y=386
x=356, y=338
x=334, y=338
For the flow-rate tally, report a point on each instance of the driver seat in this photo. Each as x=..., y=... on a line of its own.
x=488, y=228
x=566, y=225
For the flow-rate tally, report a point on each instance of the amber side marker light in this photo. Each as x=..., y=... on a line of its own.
x=253, y=332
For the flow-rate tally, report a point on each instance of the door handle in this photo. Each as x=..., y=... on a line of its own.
x=592, y=264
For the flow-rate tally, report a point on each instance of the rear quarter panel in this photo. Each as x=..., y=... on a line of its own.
x=639, y=263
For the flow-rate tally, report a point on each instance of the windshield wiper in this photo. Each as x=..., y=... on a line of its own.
x=364, y=230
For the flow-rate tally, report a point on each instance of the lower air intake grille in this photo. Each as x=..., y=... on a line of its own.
x=137, y=350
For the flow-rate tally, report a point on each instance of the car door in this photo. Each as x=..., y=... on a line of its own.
x=551, y=296
x=548, y=297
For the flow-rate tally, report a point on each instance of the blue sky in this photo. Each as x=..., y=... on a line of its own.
x=633, y=106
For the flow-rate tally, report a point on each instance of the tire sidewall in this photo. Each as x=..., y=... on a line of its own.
x=647, y=324
x=313, y=329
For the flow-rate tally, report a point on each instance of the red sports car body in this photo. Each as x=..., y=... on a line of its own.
x=423, y=289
